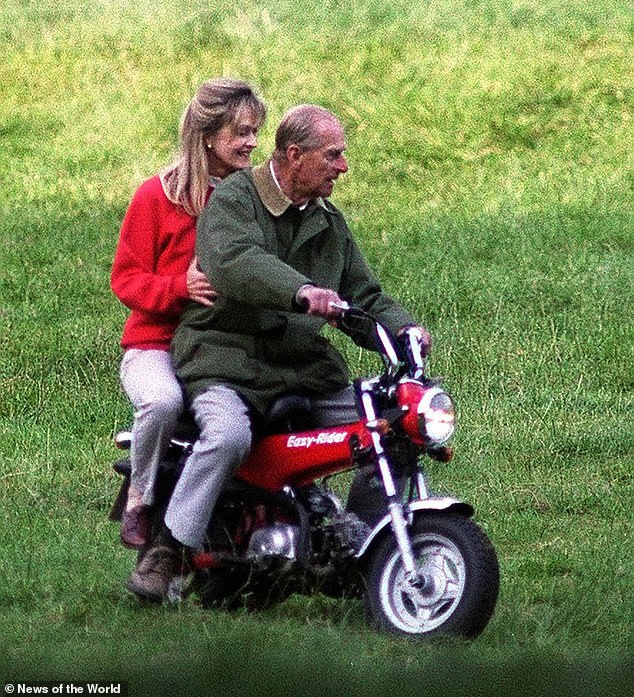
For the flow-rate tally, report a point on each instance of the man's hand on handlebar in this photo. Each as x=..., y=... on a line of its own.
x=417, y=335
x=326, y=303
x=320, y=302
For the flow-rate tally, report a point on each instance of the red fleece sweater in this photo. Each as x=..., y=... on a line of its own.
x=149, y=273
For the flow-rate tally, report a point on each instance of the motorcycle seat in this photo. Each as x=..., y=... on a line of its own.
x=288, y=413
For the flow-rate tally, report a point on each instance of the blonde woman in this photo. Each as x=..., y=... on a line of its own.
x=155, y=273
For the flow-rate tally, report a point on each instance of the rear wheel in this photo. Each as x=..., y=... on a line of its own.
x=457, y=585
x=235, y=588
x=218, y=588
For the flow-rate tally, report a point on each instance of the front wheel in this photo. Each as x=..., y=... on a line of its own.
x=457, y=581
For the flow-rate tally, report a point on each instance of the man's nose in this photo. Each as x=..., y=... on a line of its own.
x=342, y=165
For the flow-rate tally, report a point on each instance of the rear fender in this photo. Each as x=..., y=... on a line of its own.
x=441, y=503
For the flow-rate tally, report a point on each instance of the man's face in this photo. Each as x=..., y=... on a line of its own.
x=318, y=168
x=229, y=149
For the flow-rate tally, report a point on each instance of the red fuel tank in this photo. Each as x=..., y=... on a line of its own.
x=298, y=459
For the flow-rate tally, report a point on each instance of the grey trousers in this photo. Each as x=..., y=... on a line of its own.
x=225, y=441
x=148, y=378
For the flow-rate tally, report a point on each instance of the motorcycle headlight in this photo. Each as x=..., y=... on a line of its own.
x=436, y=416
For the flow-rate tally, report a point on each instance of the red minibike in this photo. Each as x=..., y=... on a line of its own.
x=421, y=565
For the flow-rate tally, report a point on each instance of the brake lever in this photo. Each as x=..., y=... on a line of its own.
x=343, y=306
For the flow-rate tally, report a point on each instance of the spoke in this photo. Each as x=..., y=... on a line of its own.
x=451, y=571
x=426, y=613
x=429, y=552
x=412, y=606
x=439, y=609
x=451, y=592
x=423, y=614
x=434, y=567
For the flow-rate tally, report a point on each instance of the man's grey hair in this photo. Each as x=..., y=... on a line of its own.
x=301, y=126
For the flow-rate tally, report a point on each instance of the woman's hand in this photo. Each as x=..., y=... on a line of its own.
x=198, y=286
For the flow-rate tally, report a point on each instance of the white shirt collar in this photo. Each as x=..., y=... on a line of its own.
x=301, y=208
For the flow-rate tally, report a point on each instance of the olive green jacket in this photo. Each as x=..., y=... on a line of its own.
x=257, y=250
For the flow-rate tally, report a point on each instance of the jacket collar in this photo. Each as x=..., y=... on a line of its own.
x=273, y=198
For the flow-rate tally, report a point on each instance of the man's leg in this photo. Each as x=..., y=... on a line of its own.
x=224, y=442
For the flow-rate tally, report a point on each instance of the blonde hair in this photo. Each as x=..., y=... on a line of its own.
x=217, y=102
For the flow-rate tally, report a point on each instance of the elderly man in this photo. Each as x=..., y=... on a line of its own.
x=282, y=259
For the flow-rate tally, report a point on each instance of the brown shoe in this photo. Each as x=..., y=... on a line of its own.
x=151, y=579
x=135, y=528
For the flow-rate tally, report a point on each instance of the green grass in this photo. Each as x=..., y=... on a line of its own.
x=490, y=187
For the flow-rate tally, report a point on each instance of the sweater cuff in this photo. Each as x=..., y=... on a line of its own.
x=180, y=287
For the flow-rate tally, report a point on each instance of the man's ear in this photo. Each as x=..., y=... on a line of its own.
x=294, y=153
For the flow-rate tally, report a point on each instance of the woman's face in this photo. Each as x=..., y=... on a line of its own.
x=229, y=149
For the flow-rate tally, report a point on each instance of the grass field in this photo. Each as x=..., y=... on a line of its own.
x=490, y=187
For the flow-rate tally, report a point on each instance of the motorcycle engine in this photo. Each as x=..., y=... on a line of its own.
x=279, y=541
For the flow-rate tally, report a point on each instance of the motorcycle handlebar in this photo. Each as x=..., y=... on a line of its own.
x=407, y=348
x=343, y=306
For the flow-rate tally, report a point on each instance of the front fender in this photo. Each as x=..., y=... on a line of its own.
x=440, y=503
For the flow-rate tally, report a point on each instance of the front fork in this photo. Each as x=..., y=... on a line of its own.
x=395, y=503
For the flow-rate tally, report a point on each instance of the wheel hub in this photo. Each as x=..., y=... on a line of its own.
x=430, y=584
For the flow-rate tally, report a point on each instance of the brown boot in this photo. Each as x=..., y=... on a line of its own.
x=151, y=579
